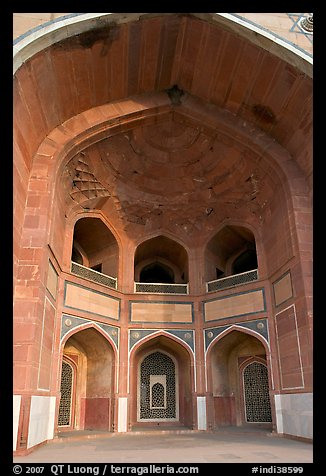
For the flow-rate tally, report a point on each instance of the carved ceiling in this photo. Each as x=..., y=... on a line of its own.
x=174, y=174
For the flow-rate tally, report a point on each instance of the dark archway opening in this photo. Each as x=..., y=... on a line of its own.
x=156, y=273
x=245, y=262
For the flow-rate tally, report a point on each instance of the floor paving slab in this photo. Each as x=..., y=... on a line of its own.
x=226, y=445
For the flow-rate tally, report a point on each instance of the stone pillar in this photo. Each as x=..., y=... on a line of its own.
x=122, y=398
x=201, y=390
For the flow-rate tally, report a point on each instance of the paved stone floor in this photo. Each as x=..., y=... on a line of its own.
x=230, y=445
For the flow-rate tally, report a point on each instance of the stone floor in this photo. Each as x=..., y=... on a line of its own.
x=230, y=445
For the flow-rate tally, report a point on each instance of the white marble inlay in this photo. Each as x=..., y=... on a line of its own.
x=201, y=413
x=16, y=411
x=41, y=421
x=294, y=414
x=122, y=414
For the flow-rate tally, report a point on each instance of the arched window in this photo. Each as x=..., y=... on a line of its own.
x=231, y=251
x=99, y=246
x=161, y=260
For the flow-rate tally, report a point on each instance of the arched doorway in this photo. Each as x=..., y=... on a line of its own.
x=161, y=384
x=238, y=380
x=87, y=382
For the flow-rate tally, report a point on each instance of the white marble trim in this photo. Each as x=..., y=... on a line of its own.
x=201, y=413
x=16, y=413
x=122, y=414
x=44, y=36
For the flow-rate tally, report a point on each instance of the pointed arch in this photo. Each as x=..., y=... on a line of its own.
x=85, y=326
x=239, y=328
x=182, y=355
x=95, y=357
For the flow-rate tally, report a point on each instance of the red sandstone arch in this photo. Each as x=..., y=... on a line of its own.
x=111, y=238
x=223, y=374
x=95, y=356
x=240, y=236
x=77, y=138
x=239, y=328
x=54, y=122
x=85, y=326
x=170, y=251
x=180, y=351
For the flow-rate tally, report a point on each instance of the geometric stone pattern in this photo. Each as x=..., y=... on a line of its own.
x=297, y=28
x=259, y=325
x=84, y=185
x=256, y=392
x=93, y=275
x=159, y=288
x=236, y=280
x=153, y=405
x=178, y=176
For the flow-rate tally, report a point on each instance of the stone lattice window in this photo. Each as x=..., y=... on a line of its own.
x=158, y=394
x=157, y=388
x=256, y=393
x=64, y=418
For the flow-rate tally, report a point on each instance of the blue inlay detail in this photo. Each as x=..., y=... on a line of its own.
x=290, y=15
x=187, y=335
x=296, y=28
x=259, y=325
x=74, y=321
x=136, y=335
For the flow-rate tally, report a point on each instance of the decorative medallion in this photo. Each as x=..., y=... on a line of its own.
x=307, y=24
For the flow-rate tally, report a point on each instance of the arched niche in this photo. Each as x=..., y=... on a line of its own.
x=96, y=246
x=227, y=359
x=160, y=366
x=93, y=360
x=161, y=260
x=232, y=250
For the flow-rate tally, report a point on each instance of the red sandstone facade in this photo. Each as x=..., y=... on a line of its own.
x=162, y=228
